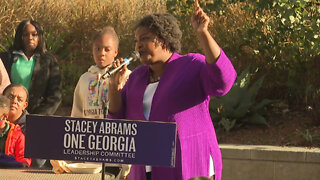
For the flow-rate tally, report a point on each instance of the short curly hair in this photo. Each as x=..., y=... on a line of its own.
x=166, y=27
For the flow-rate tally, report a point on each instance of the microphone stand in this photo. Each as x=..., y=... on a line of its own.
x=103, y=172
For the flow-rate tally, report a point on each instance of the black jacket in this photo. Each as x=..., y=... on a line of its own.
x=45, y=87
x=22, y=121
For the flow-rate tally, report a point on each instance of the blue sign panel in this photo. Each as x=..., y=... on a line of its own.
x=101, y=140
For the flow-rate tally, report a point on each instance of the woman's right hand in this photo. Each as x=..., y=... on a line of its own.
x=118, y=79
x=116, y=83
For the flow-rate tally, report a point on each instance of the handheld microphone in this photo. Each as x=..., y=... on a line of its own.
x=132, y=57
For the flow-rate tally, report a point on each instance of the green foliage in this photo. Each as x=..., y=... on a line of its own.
x=56, y=44
x=182, y=10
x=280, y=37
x=309, y=137
x=8, y=41
x=239, y=106
x=186, y=7
x=227, y=124
x=286, y=35
x=291, y=34
x=70, y=73
x=287, y=31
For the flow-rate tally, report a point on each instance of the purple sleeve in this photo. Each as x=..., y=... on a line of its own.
x=218, y=78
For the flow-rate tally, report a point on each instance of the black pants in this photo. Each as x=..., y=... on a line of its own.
x=148, y=175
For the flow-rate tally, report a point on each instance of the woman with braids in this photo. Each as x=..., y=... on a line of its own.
x=170, y=87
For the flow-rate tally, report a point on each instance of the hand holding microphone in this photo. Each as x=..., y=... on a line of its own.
x=118, y=80
x=126, y=61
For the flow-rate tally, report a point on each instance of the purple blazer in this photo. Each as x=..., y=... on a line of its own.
x=182, y=96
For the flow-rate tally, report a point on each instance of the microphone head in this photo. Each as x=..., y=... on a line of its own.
x=132, y=57
x=135, y=55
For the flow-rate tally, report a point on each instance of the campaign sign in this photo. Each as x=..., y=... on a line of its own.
x=101, y=140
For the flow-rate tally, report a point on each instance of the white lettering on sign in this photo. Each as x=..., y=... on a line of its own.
x=73, y=141
x=80, y=126
x=118, y=128
x=111, y=143
x=112, y=136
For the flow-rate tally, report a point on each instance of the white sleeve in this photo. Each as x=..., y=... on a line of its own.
x=4, y=77
x=77, y=102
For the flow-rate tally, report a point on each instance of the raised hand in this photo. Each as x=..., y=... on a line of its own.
x=199, y=20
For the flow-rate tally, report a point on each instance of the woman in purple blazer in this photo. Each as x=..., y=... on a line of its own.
x=171, y=87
